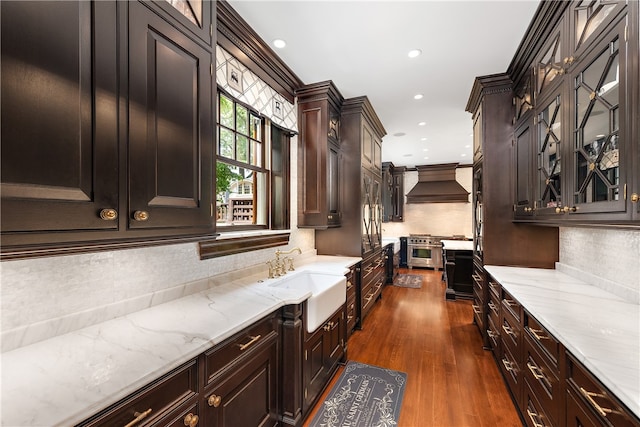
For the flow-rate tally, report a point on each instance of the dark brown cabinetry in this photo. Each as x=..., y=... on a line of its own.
x=241, y=378
x=235, y=383
x=119, y=147
x=319, y=157
x=586, y=78
x=352, y=308
x=169, y=400
x=548, y=385
x=361, y=199
x=323, y=349
x=392, y=192
x=372, y=282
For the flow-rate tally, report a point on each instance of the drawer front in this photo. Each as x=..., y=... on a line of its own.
x=352, y=315
x=369, y=298
x=218, y=358
x=351, y=283
x=493, y=308
x=544, y=341
x=510, y=332
x=478, y=280
x=542, y=379
x=478, y=311
x=511, y=304
x=181, y=418
x=511, y=372
x=494, y=337
x=153, y=403
x=534, y=414
x=494, y=289
x=595, y=398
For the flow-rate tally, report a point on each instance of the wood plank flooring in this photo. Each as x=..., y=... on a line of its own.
x=452, y=381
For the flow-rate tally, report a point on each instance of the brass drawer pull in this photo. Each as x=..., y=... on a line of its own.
x=329, y=326
x=476, y=309
x=537, y=374
x=139, y=417
x=191, y=420
x=535, y=333
x=589, y=395
x=214, y=400
x=493, y=307
x=507, y=365
x=509, y=331
x=534, y=418
x=509, y=302
x=247, y=345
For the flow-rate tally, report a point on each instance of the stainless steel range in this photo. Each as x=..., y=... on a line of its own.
x=424, y=250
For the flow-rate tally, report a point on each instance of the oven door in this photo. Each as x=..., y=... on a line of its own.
x=420, y=256
x=424, y=256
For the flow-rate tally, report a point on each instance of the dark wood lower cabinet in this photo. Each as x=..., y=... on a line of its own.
x=157, y=403
x=323, y=349
x=247, y=394
x=549, y=387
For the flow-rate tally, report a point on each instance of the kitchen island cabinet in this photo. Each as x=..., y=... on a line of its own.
x=572, y=347
x=84, y=372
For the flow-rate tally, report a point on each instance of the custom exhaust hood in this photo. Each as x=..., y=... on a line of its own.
x=437, y=184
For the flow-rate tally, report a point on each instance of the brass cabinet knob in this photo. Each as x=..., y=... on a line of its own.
x=558, y=210
x=568, y=209
x=635, y=197
x=191, y=420
x=141, y=215
x=214, y=400
x=108, y=214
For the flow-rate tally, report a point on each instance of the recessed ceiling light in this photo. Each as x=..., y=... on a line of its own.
x=279, y=43
x=463, y=155
x=423, y=139
x=467, y=146
x=422, y=123
x=425, y=149
x=426, y=158
x=399, y=134
x=407, y=155
x=415, y=52
x=418, y=96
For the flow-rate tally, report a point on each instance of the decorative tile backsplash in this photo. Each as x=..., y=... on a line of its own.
x=607, y=258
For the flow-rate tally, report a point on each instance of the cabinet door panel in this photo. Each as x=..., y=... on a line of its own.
x=58, y=98
x=170, y=124
x=247, y=394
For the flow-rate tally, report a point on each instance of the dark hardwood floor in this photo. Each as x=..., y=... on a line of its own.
x=452, y=381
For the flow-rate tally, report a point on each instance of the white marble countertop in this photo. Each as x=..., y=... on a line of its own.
x=458, y=245
x=66, y=379
x=600, y=329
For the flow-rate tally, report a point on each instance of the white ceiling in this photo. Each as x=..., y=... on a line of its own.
x=363, y=45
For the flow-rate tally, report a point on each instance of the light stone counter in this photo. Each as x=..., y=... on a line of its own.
x=599, y=328
x=66, y=379
x=458, y=245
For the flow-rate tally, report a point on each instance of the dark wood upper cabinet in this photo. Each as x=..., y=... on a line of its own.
x=59, y=121
x=319, y=156
x=586, y=140
x=392, y=192
x=170, y=125
x=107, y=136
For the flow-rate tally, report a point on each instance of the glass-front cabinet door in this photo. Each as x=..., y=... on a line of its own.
x=549, y=123
x=600, y=149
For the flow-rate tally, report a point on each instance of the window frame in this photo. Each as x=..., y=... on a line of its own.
x=235, y=239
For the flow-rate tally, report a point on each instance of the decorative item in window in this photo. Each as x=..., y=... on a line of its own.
x=278, y=109
x=234, y=77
